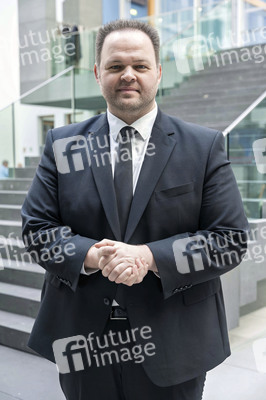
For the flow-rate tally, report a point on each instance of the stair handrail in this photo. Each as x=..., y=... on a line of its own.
x=244, y=113
x=37, y=87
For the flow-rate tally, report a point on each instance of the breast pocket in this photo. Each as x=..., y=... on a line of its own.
x=174, y=191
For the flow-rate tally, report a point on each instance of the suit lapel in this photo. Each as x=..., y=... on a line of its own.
x=102, y=172
x=153, y=165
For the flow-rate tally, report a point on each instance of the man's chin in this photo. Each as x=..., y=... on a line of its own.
x=129, y=105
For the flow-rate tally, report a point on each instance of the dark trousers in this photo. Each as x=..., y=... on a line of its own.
x=121, y=379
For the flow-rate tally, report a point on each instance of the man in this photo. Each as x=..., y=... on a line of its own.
x=154, y=218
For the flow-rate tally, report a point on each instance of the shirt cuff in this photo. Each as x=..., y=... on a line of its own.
x=90, y=270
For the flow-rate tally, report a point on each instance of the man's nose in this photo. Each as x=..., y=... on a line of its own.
x=128, y=74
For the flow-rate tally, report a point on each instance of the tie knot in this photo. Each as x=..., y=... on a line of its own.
x=126, y=134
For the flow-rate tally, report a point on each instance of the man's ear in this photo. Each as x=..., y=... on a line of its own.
x=96, y=74
x=159, y=73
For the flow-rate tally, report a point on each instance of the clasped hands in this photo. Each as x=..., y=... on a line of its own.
x=120, y=262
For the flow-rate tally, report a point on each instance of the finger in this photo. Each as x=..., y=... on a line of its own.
x=140, y=262
x=105, y=242
x=133, y=278
x=106, y=251
x=118, y=270
x=142, y=270
x=112, y=266
x=104, y=261
x=124, y=275
x=105, y=256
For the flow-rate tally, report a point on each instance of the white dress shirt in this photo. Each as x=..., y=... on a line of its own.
x=140, y=142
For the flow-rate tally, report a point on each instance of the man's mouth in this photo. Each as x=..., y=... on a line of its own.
x=127, y=89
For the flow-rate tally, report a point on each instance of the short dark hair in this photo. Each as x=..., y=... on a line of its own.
x=127, y=24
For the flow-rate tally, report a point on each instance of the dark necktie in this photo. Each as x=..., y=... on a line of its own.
x=123, y=176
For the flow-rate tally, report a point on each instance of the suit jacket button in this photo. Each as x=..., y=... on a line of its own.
x=107, y=301
x=175, y=290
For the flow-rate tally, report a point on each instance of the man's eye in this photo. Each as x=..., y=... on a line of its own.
x=115, y=67
x=141, y=67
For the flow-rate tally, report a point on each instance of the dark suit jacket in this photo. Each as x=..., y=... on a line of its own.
x=185, y=188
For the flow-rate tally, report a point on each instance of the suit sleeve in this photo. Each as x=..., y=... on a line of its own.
x=51, y=244
x=219, y=244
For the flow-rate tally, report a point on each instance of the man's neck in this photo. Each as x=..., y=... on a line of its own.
x=129, y=118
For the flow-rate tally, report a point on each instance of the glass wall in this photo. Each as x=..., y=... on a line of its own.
x=7, y=135
x=70, y=97
x=245, y=149
x=254, y=19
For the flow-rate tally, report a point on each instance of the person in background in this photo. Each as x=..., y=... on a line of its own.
x=4, y=171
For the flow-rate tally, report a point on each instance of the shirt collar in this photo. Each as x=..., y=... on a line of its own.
x=143, y=125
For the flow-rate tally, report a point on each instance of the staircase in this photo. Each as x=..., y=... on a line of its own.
x=20, y=279
x=216, y=96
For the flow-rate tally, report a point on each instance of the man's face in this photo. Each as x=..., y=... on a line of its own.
x=128, y=74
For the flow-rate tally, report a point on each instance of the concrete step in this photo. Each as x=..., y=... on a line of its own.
x=15, y=330
x=202, y=117
x=10, y=212
x=206, y=96
x=223, y=90
x=230, y=83
x=27, y=172
x=19, y=299
x=18, y=273
x=12, y=228
x=188, y=93
x=196, y=108
x=220, y=125
x=12, y=196
x=220, y=88
x=13, y=248
x=32, y=161
x=224, y=64
x=226, y=68
x=221, y=74
x=15, y=184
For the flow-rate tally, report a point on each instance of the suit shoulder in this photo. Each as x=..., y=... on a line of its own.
x=192, y=130
x=78, y=128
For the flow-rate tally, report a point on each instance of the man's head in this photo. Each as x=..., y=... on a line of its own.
x=127, y=24
x=5, y=163
x=127, y=67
